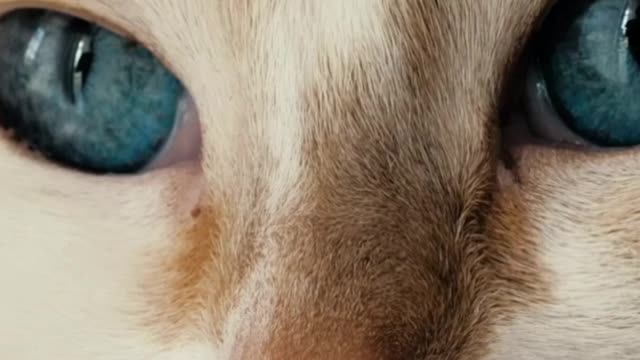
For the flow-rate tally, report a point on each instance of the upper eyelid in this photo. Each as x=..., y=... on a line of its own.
x=545, y=10
x=94, y=11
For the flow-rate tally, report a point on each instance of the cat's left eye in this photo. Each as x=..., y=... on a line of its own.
x=584, y=86
x=84, y=96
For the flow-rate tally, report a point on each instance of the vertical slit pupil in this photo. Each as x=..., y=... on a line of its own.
x=633, y=34
x=84, y=65
x=80, y=57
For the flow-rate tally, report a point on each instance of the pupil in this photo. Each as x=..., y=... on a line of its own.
x=81, y=61
x=84, y=65
x=633, y=34
x=80, y=57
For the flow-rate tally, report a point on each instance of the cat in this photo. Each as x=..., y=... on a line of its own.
x=354, y=198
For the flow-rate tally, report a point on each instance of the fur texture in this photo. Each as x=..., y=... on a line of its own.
x=350, y=203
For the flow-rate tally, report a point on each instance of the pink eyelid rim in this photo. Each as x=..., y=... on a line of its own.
x=185, y=141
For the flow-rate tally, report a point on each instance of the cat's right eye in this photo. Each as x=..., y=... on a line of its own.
x=84, y=96
x=584, y=86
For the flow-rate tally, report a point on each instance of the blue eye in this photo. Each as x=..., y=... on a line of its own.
x=589, y=69
x=83, y=96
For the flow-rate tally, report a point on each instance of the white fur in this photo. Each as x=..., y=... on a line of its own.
x=586, y=228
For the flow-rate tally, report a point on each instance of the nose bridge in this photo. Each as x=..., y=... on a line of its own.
x=336, y=281
x=348, y=249
x=287, y=317
x=249, y=351
x=366, y=254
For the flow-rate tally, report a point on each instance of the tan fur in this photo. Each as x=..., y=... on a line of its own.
x=350, y=203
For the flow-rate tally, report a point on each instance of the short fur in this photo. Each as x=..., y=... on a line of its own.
x=350, y=202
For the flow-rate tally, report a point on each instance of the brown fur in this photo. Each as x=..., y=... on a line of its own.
x=368, y=225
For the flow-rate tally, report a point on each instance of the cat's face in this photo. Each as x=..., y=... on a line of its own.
x=352, y=201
